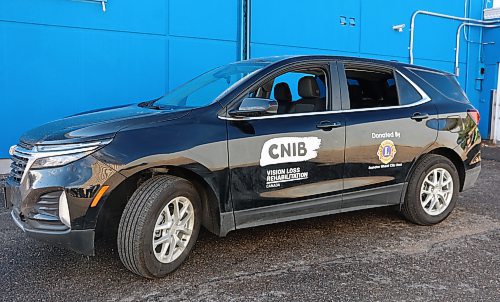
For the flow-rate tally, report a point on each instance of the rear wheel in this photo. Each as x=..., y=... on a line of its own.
x=432, y=191
x=159, y=226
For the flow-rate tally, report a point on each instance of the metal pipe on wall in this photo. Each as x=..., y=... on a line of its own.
x=439, y=15
x=242, y=29
x=495, y=116
x=495, y=126
x=245, y=26
x=457, y=42
x=248, y=27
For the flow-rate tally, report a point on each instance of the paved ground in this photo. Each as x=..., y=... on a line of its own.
x=368, y=255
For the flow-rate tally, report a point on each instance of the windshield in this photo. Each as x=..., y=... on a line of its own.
x=204, y=89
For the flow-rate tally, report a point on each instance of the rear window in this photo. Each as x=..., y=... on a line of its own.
x=446, y=84
x=407, y=93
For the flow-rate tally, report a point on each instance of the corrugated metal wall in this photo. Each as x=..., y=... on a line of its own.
x=59, y=57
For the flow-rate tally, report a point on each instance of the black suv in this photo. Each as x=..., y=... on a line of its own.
x=246, y=144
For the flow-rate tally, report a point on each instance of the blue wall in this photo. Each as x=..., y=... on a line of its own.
x=59, y=57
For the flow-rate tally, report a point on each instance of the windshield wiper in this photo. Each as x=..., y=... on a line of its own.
x=154, y=107
x=149, y=104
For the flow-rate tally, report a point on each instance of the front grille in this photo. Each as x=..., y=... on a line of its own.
x=19, y=160
x=18, y=166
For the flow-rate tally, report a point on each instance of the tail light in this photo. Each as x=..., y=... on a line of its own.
x=474, y=115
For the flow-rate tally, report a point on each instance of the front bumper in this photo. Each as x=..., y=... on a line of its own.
x=39, y=200
x=80, y=241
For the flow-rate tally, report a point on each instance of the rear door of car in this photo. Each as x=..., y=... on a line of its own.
x=390, y=122
x=289, y=165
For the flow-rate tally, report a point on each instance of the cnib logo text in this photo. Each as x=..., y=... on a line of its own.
x=289, y=149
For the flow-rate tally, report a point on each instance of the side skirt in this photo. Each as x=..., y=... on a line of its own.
x=366, y=199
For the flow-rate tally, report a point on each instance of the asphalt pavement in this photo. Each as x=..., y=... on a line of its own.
x=371, y=255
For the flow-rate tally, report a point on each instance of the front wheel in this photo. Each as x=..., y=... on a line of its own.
x=159, y=226
x=432, y=191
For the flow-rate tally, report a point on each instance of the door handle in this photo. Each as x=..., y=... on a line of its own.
x=327, y=125
x=417, y=116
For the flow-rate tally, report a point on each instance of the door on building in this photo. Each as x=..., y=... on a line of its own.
x=287, y=164
x=383, y=111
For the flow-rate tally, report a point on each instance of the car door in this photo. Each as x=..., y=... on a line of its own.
x=388, y=125
x=289, y=165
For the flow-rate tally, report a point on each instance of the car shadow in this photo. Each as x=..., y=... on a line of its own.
x=211, y=257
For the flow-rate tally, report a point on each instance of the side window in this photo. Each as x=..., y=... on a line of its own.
x=407, y=93
x=446, y=84
x=298, y=91
x=371, y=88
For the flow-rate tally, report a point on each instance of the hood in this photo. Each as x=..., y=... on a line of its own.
x=97, y=124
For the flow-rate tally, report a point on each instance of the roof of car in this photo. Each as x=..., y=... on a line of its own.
x=298, y=58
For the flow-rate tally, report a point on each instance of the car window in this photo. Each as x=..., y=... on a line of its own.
x=446, y=84
x=298, y=91
x=204, y=89
x=371, y=88
x=199, y=97
x=407, y=93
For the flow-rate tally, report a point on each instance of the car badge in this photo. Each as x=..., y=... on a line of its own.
x=386, y=151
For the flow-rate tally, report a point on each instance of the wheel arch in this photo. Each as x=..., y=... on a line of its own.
x=443, y=151
x=112, y=207
x=449, y=154
x=455, y=159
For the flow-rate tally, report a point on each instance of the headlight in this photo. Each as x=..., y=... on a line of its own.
x=54, y=161
x=48, y=156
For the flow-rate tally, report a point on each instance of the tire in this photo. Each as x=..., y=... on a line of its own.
x=418, y=202
x=147, y=209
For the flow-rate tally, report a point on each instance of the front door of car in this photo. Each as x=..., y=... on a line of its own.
x=388, y=125
x=289, y=164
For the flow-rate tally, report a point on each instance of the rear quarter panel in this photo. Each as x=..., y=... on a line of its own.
x=456, y=129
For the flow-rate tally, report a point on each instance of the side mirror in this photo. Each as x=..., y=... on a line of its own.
x=255, y=107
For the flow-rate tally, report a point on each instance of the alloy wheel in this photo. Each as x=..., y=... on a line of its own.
x=436, y=191
x=173, y=229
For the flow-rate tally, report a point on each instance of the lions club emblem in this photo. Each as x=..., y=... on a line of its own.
x=386, y=151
